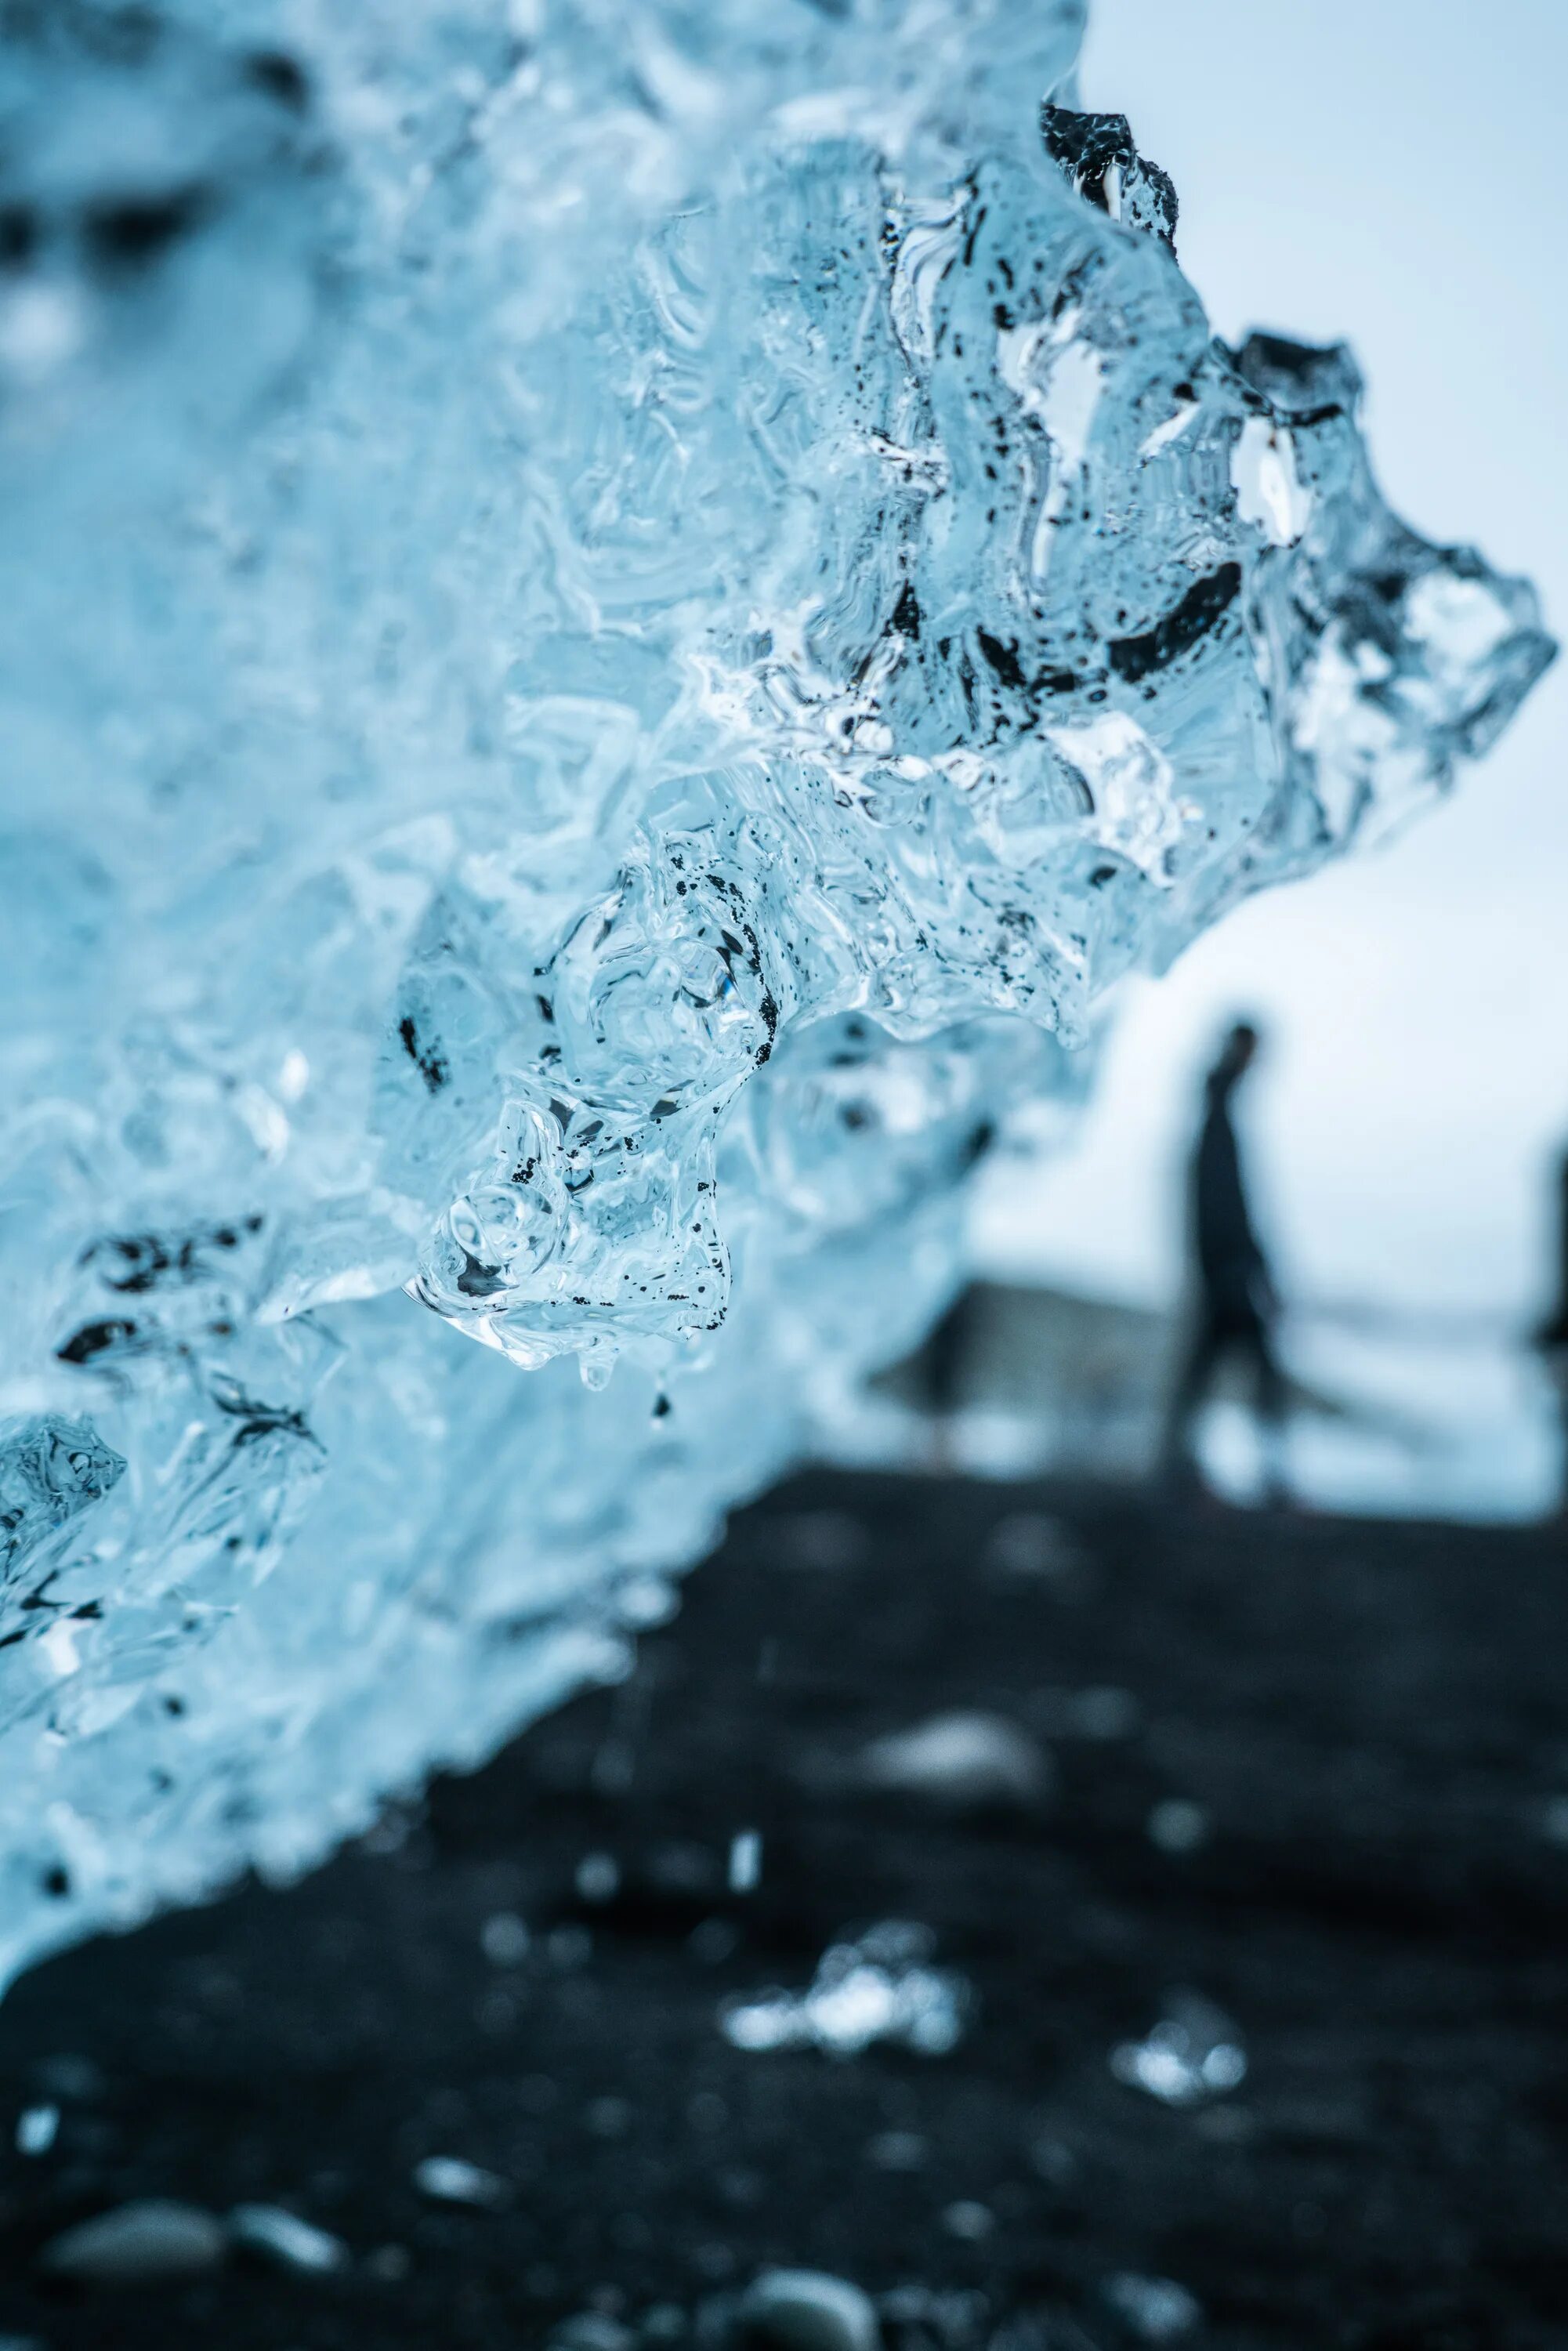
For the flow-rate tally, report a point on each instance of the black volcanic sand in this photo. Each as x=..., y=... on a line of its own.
x=1375, y=1720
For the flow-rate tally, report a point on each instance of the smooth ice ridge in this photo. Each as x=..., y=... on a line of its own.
x=616, y=615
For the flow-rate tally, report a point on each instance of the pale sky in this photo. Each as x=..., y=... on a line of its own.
x=1391, y=172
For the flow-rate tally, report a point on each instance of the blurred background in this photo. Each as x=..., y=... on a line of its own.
x=1389, y=175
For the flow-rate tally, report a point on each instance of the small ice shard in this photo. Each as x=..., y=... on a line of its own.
x=449, y=2179
x=1156, y=2310
x=963, y=1760
x=881, y=1987
x=1191, y=2055
x=36, y=2128
x=504, y=1939
x=745, y=1861
x=598, y=1877
x=807, y=2310
x=1176, y=1825
x=138, y=2243
x=282, y=2237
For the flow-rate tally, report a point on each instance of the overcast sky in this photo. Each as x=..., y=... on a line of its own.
x=1392, y=172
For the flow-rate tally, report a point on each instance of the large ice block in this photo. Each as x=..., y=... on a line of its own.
x=614, y=616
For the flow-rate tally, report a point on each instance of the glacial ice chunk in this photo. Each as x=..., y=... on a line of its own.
x=615, y=616
x=880, y=1986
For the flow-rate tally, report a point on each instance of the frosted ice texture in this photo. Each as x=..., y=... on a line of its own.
x=615, y=615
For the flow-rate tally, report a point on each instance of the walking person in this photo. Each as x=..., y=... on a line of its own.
x=1550, y=1338
x=1237, y=1304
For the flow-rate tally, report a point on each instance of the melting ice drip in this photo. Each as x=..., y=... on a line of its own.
x=616, y=614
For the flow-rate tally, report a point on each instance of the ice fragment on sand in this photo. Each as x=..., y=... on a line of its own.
x=881, y=1987
x=504, y=1939
x=449, y=2179
x=961, y=1759
x=137, y=2243
x=36, y=2128
x=598, y=1877
x=1156, y=2310
x=807, y=2310
x=1178, y=1825
x=745, y=1873
x=607, y=642
x=1191, y=2055
x=281, y=2236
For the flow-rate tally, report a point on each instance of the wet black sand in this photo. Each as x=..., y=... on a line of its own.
x=1375, y=1722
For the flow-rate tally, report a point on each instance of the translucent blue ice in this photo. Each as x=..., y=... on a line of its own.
x=614, y=615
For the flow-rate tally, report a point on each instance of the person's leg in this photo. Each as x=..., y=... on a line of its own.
x=1188, y=1390
x=1273, y=1403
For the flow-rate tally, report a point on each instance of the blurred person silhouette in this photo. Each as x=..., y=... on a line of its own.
x=1550, y=1338
x=1236, y=1304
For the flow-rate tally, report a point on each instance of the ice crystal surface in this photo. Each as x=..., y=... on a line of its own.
x=614, y=614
